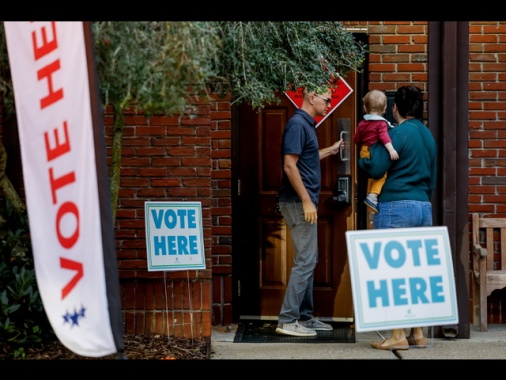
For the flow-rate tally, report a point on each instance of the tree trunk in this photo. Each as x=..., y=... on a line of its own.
x=9, y=191
x=116, y=159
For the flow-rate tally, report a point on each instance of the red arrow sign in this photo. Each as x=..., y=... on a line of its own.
x=339, y=93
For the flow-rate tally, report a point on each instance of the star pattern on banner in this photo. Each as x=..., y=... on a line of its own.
x=73, y=318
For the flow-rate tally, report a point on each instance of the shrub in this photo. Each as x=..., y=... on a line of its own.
x=23, y=321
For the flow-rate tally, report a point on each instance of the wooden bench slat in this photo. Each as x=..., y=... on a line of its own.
x=488, y=238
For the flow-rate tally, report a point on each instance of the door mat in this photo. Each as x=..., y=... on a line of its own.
x=265, y=332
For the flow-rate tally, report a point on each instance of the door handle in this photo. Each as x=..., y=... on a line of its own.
x=341, y=151
x=344, y=166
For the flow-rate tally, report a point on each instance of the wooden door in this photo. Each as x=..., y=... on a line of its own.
x=263, y=254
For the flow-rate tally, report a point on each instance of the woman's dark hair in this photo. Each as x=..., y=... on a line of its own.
x=409, y=101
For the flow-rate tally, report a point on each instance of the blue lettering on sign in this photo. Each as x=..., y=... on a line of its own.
x=413, y=290
x=175, y=245
x=396, y=255
x=181, y=218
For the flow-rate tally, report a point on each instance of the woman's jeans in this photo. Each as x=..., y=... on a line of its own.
x=403, y=214
x=298, y=301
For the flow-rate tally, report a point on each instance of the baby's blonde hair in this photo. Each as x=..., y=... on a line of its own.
x=375, y=101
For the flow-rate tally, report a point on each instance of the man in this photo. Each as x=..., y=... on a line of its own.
x=298, y=203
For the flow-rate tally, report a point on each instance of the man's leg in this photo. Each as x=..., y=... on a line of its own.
x=304, y=239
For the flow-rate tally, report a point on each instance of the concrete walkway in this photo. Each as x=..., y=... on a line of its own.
x=481, y=345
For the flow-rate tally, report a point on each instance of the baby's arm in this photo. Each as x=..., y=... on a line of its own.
x=393, y=153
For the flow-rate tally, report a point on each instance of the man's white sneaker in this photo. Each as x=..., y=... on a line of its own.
x=294, y=329
x=315, y=324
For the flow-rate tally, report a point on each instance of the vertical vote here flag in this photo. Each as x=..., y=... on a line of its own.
x=66, y=184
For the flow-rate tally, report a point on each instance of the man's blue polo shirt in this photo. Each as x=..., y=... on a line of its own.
x=299, y=137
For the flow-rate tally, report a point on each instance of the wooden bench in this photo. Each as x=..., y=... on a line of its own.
x=489, y=274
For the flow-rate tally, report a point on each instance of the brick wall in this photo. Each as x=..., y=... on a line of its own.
x=221, y=186
x=487, y=132
x=487, y=118
x=398, y=53
x=165, y=159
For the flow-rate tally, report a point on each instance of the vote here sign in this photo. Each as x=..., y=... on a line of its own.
x=174, y=236
x=401, y=277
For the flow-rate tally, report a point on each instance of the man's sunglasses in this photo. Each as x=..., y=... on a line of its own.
x=327, y=100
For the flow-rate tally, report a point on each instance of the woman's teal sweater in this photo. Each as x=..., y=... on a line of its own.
x=413, y=175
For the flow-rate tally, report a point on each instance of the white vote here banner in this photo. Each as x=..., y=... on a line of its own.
x=402, y=277
x=68, y=202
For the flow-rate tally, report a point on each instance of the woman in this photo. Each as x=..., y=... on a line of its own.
x=404, y=201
